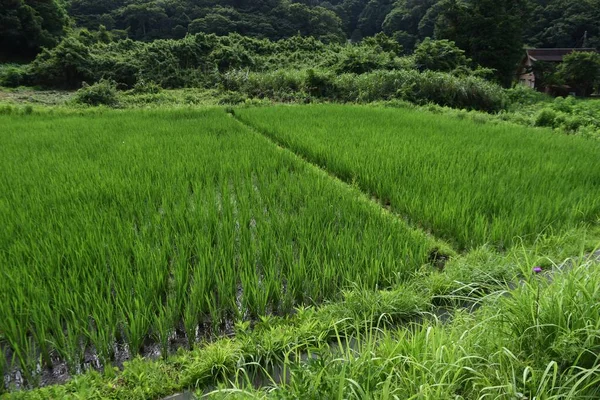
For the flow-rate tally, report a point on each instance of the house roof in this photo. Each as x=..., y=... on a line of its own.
x=552, y=55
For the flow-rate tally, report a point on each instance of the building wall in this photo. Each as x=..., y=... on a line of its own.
x=527, y=79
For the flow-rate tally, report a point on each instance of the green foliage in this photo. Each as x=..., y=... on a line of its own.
x=469, y=183
x=148, y=20
x=564, y=23
x=12, y=75
x=520, y=95
x=26, y=26
x=200, y=60
x=439, y=55
x=143, y=87
x=490, y=32
x=222, y=229
x=421, y=88
x=546, y=74
x=359, y=60
x=581, y=70
x=103, y=92
x=65, y=66
x=546, y=117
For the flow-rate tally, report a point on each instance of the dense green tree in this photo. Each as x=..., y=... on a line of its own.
x=564, y=23
x=490, y=31
x=146, y=20
x=581, y=70
x=439, y=55
x=66, y=66
x=213, y=23
x=28, y=25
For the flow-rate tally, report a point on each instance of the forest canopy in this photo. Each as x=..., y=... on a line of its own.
x=491, y=33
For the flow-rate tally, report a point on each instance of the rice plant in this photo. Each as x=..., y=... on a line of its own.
x=468, y=183
x=122, y=227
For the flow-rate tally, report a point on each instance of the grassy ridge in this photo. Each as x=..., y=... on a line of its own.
x=469, y=183
x=122, y=226
x=541, y=342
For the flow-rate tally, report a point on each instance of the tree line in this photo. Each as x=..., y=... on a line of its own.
x=491, y=32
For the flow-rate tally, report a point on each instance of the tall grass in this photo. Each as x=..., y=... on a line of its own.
x=469, y=183
x=539, y=342
x=419, y=87
x=119, y=226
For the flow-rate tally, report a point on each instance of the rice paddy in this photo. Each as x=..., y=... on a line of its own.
x=125, y=227
x=468, y=183
x=127, y=231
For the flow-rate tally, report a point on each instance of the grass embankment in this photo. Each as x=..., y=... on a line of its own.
x=468, y=183
x=125, y=226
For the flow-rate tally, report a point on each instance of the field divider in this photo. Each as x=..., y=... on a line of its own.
x=443, y=249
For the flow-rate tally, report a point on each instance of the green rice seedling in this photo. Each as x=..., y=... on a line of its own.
x=163, y=324
x=136, y=323
x=468, y=183
x=3, y=369
x=124, y=222
x=191, y=316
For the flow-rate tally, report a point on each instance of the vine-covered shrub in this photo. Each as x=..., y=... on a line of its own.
x=103, y=92
x=421, y=88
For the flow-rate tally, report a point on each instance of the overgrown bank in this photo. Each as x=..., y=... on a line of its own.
x=295, y=69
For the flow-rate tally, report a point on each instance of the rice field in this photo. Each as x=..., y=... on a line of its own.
x=469, y=183
x=129, y=232
x=126, y=227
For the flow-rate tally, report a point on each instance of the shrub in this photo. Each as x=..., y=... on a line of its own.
x=437, y=87
x=65, y=66
x=362, y=59
x=421, y=88
x=439, y=55
x=546, y=117
x=6, y=109
x=12, y=76
x=102, y=93
x=319, y=83
x=146, y=87
x=571, y=124
x=581, y=70
x=521, y=95
x=564, y=105
x=232, y=98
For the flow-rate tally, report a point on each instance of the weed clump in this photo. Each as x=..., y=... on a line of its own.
x=546, y=117
x=102, y=93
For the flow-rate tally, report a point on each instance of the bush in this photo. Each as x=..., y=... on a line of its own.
x=65, y=66
x=12, y=76
x=102, y=93
x=439, y=55
x=6, y=109
x=523, y=95
x=564, y=105
x=233, y=98
x=546, y=117
x=581, y=69
x=146, y=87
x=421, y=88
x=572, y=124
x=440, y=88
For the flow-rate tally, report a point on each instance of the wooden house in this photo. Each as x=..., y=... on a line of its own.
x=551, y=57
